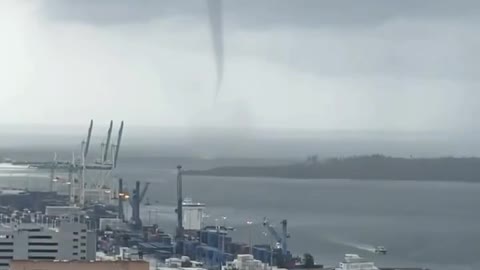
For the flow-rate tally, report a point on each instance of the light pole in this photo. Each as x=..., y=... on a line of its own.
x=271, y=248
x=223, y=237
x=204, y=218
x=249, y=223
x=157, y=216
x=217, y=228
x=149, y=216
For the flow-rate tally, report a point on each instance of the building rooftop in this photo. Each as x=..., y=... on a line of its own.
x=353, y=258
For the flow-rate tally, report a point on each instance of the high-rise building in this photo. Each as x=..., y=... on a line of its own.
x=69, y=240
x=192, y=215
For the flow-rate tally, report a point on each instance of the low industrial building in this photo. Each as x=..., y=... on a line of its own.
x=79, y=265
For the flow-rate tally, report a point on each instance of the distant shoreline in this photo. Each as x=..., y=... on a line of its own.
x=374, y=167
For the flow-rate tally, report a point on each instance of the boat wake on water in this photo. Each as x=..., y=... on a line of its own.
x=11, y=170
x=360, y=246
x=5, y=166
x=30, y=175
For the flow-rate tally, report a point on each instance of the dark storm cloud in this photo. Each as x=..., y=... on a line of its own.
x=429, y=39
x=267, y=13
x=345, y=13
x=107, y=12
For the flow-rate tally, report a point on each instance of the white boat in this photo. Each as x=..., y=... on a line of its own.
x=355, y=262
x=381, y=250
x=12, y=191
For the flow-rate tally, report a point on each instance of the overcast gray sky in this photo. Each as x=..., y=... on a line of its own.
x=357, y=65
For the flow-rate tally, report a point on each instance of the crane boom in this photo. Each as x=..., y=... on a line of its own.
x=117, y=147
x=272, y=231
x=281, y=239
x=107, y=144
x=89, y=135
x=144, y=191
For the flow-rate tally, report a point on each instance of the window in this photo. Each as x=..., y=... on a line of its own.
x=82, y=251
x=75, y=253
x=75, y=246
x=6, y=250
x=75, y=240
x=82, y=258
x=4, y=264
x=6, y=257
x=83, y=244
x=41, y=258
x=6, y=243
x=83, y=230
x=83, y=237
x=75, y=233
x=39, y=237
x=42, y=250
x=43, y=244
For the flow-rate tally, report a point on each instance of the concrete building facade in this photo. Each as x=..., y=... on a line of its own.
x=68, y=241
